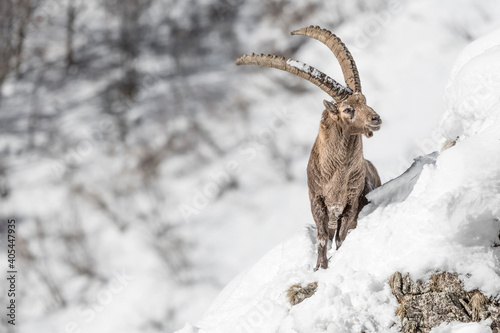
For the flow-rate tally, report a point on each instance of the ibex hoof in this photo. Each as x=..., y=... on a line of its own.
x=321, y=264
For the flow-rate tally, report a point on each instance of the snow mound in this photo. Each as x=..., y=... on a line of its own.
x=472, y=91
x=440, y=215
x=463, y=328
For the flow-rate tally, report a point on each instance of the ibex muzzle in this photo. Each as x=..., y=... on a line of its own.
x=338, y=176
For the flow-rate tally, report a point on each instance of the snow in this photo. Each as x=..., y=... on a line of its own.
x=317, y=74
x=472, y=89
x=456, y=327
x=87, y=209
x=442, y=214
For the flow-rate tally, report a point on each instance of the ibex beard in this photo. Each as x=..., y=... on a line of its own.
x=338, y=176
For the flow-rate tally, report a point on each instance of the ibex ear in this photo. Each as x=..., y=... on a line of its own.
x=332, y=107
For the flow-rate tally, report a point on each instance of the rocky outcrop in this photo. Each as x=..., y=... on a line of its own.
x=297, y=293
x=442, y=299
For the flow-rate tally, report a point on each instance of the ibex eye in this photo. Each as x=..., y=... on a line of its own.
x=349, y=110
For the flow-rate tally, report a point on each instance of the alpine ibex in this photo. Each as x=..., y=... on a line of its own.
x=338, y=176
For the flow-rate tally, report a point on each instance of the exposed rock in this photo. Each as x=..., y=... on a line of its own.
x=297, y=293
x=443, y=299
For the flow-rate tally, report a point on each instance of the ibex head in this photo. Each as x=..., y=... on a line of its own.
x=354, y=115
x=349, y=106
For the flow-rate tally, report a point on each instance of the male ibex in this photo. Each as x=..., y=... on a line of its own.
x=337, y=174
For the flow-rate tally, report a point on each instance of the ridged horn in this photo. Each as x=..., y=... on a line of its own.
x=340, y=51
x=320, y=79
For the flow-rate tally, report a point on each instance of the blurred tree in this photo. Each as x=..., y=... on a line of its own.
x=71, y=13
x=15, y=17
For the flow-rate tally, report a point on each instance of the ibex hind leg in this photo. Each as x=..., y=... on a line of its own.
x=320, y=215
x=331, y=233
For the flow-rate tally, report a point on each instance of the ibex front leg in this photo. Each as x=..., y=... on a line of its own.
x=335, y=211
x=320, y=215
x=346, y=222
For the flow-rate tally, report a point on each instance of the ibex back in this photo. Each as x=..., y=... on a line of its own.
x=338, y=176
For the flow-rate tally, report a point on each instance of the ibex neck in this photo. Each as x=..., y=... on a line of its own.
x=338, y=149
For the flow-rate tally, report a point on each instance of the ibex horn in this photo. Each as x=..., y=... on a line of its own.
x=340, y=51
x=320, y=79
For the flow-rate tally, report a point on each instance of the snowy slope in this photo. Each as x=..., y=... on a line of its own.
x=441, y=215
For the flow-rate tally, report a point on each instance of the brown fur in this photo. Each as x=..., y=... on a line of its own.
x=337, y=174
